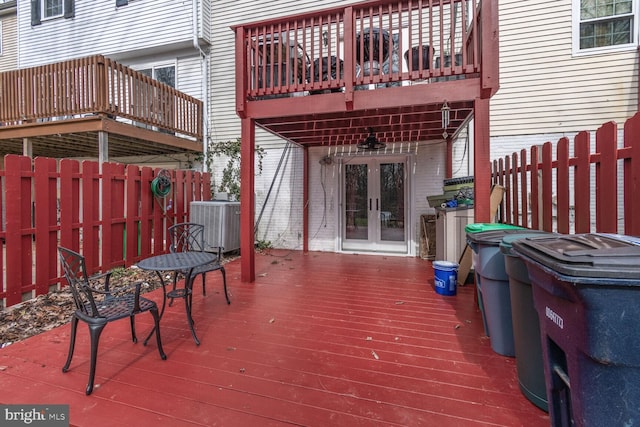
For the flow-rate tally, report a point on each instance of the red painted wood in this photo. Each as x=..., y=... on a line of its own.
x=562, y=186
x=524, y=195
x=632, y=175
x=490, y=70
x=146, y=211
x=318, y=339
x=247, y=197
x=18, y=234
x=159, y=225
x=606, y=179
x=506, y=201
x=482, y=181
x=113, y=215
x=46, y=223
x=179, y=197
x=582, y=184
x=132, y=214
x=90, y=215
x=536, y=223
x=70, y=204
x=547, y=187
x=513, y=214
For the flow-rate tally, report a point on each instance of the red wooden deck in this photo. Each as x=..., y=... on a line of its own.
x=319, y=339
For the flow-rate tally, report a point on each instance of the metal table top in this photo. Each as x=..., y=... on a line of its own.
x=176, y=261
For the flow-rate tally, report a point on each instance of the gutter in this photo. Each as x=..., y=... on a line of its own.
x=205, y=81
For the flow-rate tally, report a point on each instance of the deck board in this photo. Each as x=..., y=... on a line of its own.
x=319, y=339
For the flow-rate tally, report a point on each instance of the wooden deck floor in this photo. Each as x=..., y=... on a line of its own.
x=320, y=339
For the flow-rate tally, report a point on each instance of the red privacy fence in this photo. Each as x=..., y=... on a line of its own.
x=593, y=189
x=112, y=216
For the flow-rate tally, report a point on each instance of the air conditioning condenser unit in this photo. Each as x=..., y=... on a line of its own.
x=221, y=222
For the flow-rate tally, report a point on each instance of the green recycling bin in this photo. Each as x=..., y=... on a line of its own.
x=492, y=283
x=526, y=327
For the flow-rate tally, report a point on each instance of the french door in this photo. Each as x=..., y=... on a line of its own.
x=374, y=204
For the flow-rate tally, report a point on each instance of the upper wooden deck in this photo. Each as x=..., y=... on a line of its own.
x=326, y=77
x=61, y=107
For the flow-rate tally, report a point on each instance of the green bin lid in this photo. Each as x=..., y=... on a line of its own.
x=489, y=226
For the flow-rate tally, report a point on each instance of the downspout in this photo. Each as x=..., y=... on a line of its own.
x=205, y=83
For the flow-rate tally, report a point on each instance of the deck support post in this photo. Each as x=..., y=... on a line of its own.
x=103, y=148
x=481, y=165
x=247, y=201
x=27, y=147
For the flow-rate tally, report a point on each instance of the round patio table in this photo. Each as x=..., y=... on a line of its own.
x=177, y=262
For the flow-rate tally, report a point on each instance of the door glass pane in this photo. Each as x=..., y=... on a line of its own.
x=392, y=202
x=356, y=209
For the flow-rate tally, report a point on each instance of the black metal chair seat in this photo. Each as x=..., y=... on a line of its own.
x=97, y=305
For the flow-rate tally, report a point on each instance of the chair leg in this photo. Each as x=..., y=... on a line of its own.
x=156, y=320
x=224, y=282
x=133, y=329
x=72, y=342
x=94, y=331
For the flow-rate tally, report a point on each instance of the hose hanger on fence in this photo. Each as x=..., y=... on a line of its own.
x=161, y=184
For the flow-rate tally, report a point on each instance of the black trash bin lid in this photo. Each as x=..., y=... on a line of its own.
x=584, y=256
x=506, y=245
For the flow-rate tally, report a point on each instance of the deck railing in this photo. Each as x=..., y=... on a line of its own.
x=383, y=43
x=591, y=190
x=96, y=85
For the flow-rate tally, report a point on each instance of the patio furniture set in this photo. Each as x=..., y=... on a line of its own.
x=97, y=304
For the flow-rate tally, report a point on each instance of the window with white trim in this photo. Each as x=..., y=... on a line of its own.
x=52, y=8
x=604, y=25
x=164, y=74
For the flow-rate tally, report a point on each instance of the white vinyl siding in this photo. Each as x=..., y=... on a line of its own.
x=543, y=88
x=101, y=27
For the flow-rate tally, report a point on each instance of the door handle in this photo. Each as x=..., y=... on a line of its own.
x=377, y=207
x=369, y=204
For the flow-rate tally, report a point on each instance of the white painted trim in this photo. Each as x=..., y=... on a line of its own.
x=575, y=33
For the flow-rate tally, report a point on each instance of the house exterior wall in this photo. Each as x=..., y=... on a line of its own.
x=101, y=27
x=545, y=89
x=8, y=36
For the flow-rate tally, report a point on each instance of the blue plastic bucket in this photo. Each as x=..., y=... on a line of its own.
x=445, y=277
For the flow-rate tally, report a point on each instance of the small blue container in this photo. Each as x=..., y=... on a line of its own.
x=445, y=277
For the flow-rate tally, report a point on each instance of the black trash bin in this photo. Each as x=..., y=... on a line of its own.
x=526, y=326
x=492, y=282
x=586, y=290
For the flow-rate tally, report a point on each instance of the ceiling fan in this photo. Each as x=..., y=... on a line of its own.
x=371, y=142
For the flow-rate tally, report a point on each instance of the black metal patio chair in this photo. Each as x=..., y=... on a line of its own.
x=189, y=236
x=97, y=305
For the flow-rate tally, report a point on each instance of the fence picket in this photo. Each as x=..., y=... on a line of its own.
x=606, y=179
x=632, y=175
